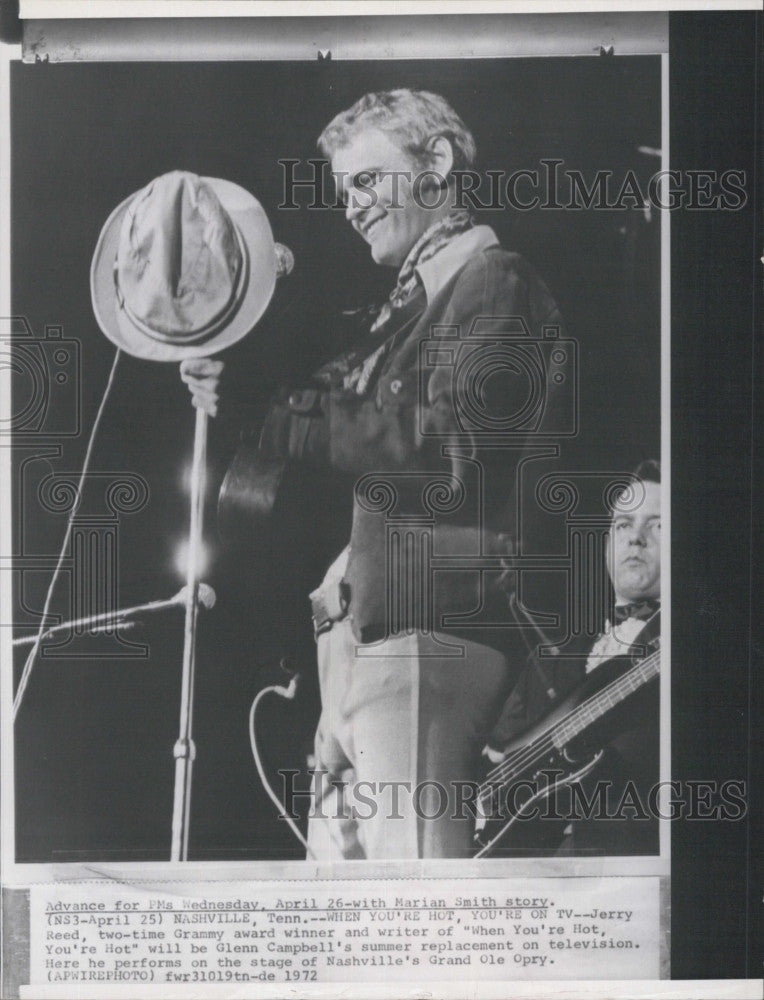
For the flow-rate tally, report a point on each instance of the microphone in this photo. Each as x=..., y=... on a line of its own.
x=284, y=260
x=112, y=619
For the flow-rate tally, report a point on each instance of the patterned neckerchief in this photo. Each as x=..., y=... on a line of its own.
x=358, y=367
x=429, y=243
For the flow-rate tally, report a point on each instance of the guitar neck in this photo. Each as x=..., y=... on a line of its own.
x=560, y=734
x=589, y=711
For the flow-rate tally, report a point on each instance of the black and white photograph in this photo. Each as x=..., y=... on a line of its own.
x=353, y=438
x=332, y=425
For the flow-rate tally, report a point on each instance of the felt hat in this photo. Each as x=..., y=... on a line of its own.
x=183, y=268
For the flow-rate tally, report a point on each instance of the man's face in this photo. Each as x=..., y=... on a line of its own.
x=634, y=552
x=376, y=180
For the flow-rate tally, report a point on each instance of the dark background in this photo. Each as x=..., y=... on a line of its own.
x=94, y=737
x=716, y=677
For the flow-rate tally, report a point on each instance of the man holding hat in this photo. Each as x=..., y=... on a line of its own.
x=413, y=664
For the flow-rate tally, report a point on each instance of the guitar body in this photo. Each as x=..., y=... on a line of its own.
x=564, y=747
x=524, y=798
x=295, y=518
x=252, y=496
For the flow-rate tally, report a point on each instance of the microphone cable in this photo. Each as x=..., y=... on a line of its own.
x=285, y=692
x=31, y=658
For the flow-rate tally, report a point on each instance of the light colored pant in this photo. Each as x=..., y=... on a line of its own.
x=400, y=711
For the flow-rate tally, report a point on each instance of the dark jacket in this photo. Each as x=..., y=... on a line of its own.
x=433, y=445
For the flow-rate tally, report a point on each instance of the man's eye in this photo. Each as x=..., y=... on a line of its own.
x=367, y=179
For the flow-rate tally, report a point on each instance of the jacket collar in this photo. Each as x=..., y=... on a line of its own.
x=436, y=272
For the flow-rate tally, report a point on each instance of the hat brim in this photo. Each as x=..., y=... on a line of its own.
x=248, y=215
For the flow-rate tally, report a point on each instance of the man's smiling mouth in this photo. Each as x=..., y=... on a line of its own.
x=370, y=227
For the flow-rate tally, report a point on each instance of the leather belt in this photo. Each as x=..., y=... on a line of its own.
x=329, y=604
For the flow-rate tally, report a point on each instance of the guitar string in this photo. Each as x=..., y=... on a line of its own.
x=539, y=748
x=580, y=709
x=632, y=680
x=514, y=763
x=546, y=741
x=527, y=753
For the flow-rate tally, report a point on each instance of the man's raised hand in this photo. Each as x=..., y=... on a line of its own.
x=202, y=376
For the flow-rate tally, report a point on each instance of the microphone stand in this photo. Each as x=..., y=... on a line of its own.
x=115, y=619
x=191, y=595
x=184, y=750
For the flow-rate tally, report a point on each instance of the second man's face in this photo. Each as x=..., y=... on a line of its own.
x=385, y=203
x=634, y=553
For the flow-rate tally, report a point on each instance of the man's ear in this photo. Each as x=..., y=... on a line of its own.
x=441, y=156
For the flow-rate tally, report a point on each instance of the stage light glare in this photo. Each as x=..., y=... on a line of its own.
x=185, y=475
x=181, y=559
x=185, y=478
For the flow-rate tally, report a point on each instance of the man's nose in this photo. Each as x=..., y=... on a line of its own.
x=638, y=536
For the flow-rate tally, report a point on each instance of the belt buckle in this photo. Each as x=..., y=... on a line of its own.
x=323, y=616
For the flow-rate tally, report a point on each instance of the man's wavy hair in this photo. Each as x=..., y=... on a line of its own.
x=648, y=471
x=411, y=117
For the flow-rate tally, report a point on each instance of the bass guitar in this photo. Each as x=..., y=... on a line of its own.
x=547, y=757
